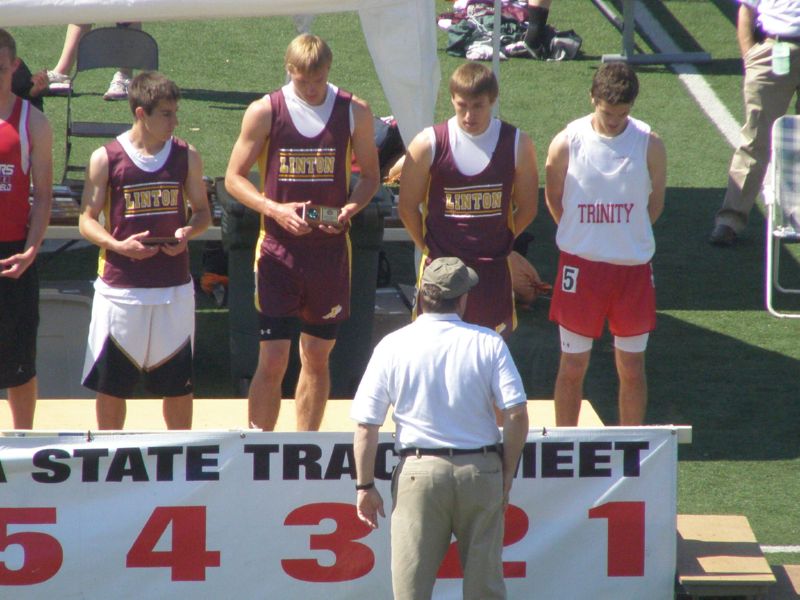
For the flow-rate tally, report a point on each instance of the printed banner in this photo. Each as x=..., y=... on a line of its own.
x=267, y=515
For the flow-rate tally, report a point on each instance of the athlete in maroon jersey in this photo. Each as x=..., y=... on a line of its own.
x=303, y=133
x=151, y=201
x=143, y=315
x=476, y=179
x=26, y=143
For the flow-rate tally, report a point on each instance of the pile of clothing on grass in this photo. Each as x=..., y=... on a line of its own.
x=470, y=28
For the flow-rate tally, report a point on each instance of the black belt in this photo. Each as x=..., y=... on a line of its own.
x=785, y=38
x=448, y=451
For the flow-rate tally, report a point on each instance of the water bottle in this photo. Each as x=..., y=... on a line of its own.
x=780, y=58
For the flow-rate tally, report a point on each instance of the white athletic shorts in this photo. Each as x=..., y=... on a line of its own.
x=149, y=335
x=575, y=343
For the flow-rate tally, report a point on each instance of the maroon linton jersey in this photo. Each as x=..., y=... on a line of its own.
x=300, y=168
x=470, y=216
x=137, y=201
x=15, y=173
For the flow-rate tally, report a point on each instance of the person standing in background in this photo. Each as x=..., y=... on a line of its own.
x=768, y=32
x=535, y=38
x=59, y=77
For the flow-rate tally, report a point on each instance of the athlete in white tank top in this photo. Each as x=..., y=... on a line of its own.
x=605, y=186
x=606, y=194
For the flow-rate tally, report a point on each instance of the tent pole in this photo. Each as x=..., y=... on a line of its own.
x=498, y=17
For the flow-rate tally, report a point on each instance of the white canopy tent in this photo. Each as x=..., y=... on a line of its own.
x=400, y=35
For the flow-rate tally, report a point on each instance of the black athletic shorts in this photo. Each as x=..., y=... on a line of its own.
x=19, y=322
x=287, y=328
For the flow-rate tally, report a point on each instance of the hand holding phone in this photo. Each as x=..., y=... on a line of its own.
x=159, y=241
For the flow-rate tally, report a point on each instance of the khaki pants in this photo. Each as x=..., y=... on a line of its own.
x=766, y=97
x=434, y=497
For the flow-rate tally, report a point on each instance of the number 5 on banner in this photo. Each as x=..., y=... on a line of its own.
x=43, y=554
x=188, y=557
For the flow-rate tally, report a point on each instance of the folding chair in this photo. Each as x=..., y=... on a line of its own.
x=104, y=47
x=782, y=199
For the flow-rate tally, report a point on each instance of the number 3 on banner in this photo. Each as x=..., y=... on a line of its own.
x=188, y=557
x=43, y=554
x=353, y=559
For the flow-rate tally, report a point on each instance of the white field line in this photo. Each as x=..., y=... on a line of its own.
x=781, y=549
x=695, y=83
x=710, y=103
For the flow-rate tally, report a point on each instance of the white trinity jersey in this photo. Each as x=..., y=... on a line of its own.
x=606, y=193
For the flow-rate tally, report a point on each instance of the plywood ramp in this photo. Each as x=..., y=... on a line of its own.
x=231, y=413
x=718, y=555
x=788, y=583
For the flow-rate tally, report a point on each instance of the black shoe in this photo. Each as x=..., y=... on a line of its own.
x=537, y=51
x=723, y=236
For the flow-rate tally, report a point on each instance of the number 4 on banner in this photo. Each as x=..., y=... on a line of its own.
x=188, y=557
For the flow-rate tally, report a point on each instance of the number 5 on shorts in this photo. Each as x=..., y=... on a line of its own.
x=569, y=279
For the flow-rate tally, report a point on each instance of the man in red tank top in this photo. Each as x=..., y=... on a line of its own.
x=476, y=178
x=26, y=143
x=302, y=135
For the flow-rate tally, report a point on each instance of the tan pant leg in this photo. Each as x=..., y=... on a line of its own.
x=766, y=97
x=421, y=528
x=478, y=524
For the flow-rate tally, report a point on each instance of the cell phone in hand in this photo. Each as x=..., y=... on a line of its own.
x=159, y=241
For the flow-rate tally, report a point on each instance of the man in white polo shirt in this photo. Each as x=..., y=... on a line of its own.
x=443, y=377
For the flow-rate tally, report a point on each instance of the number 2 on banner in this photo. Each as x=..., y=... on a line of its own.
x=43, y=554
x=188, y=557
x=625, y=537
x=516, y=527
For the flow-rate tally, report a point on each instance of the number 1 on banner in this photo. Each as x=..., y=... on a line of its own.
x=188, y=557
x=625, y=537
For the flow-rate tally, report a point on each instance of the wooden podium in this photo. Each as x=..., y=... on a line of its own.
x=231, y=414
